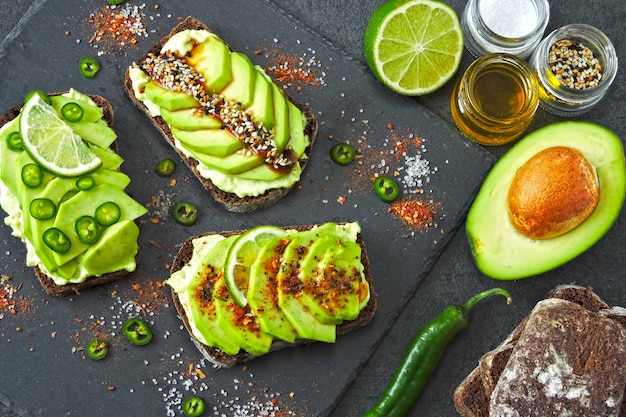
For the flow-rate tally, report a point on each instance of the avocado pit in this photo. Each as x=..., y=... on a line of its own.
x=552, y=193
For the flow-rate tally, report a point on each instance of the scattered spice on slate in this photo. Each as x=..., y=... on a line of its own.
x=295, y=70
x=9, y=301
x=416, y=213
x=113, y=28
x=574, y=64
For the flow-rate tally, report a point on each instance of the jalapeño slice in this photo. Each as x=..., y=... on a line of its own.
x=386, y=189
x=137, y=331
x=87, y=229
x=166, y=167
x=194, y=406
x=108, y=213
x=56, y=240
x=88, y=66
x=85, y=183
x=14, y=141
x=185, y=213
x=32, y=175
x=42, y=208
x=72, y=112
x=97, y=349
x=342, y=153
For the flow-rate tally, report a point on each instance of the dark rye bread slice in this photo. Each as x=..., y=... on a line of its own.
x=472, y=396
x=48, y=284
x=568, y=361
x=230, y=201
x=217, y=356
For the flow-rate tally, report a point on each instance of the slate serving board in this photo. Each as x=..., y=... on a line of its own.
x=44, y=370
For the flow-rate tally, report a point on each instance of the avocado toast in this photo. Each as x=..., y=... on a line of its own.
x=60, y=218
x=304, y=284
x=242, y=136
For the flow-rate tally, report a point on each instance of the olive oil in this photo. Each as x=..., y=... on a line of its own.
x=495, y=100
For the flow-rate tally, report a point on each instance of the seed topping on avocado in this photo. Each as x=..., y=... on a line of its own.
x=175, y=74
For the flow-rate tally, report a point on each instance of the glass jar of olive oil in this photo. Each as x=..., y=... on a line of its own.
x=496, y=99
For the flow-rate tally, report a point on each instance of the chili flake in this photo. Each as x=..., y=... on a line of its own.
x=9, y=302
x=115, y=27
x=296, y=70
x=416, y=213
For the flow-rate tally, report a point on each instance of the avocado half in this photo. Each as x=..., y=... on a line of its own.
x=499, y=250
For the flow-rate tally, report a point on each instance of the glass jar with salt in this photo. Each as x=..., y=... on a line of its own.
x=504, y=26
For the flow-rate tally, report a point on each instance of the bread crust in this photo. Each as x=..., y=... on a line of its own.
x=230, y=201
x=217, y=356
x=46, y=282
x=472, y=396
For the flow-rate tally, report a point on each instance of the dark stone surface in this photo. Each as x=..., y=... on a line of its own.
x=452, y=279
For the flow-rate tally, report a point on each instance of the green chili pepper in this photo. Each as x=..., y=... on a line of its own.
x=85, y=183
x=14, y=141
x=166, y=167
x=194, y=406
x=108, y=213
x=45, y=97
x=42, y=209
x=32, y=175
x=342, y=154
x=137, y=331
x=185, y=213
x=56, y=240
x=88, y=67
x=87, y=229
x=115, y=2
x=422, y=357
x=72, y=112
x=386, y=189
x=97, y=349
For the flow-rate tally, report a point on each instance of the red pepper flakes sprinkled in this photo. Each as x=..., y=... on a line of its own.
x=9, y=302
x=416, y=213
x=295, y=70
x=116, y=27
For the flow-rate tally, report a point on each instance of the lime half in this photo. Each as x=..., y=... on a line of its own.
x=413, y=47
x=242, y=255
x=51, y=143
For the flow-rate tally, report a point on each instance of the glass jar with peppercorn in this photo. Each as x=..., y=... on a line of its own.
x=575, y=65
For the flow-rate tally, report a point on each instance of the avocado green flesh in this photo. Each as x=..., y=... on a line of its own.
x=114, y=250
x=85, y=203
x=339, y=301
x=503, y=253
x=211, y=58
x=287, y=320
x=91, y=113
x=237, y=80
x=167, y=99
x=256, y=342
x=241, y=88
x=189, y=119
x=99, y=133
x=213, y=142
x=116, y=247
x=262, y=293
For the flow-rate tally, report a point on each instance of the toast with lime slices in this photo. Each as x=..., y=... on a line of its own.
x=242, y=136
x=304, y=284
x=79, y=230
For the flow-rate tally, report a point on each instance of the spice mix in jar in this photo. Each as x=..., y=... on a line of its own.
x=575, y=66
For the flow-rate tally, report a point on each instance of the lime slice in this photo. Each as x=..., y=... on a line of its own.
x=242, y=255
x=51, y=143
x=413, y=47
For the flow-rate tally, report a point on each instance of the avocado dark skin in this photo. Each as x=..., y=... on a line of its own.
x=499, y=250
